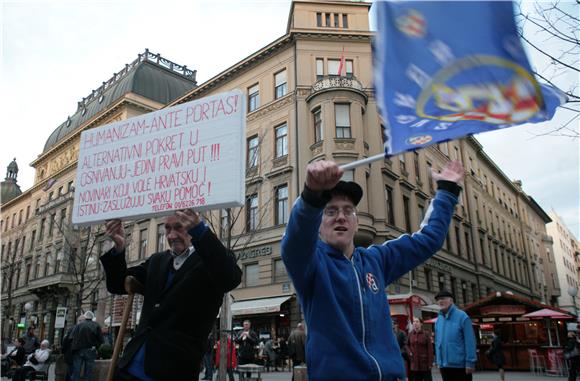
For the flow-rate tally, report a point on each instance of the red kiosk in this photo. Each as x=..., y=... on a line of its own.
x=404, y=307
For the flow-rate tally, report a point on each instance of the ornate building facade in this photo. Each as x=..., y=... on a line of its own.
x=300, y=110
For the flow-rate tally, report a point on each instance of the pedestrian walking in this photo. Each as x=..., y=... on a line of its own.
x=341, y=287
x=297, y=345
x=86, y=339
x=454, y=340
x=420, y=352
x=495, y=354
x=572, y=355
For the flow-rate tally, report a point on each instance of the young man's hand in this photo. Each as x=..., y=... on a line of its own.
x=322, y=175
x=453, y=172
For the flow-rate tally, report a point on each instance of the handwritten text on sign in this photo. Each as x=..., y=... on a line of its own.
x=189, y=155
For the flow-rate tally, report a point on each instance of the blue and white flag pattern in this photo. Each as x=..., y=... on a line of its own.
x=444, y=70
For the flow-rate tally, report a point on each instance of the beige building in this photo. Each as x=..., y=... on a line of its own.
x=300, y=110
x=567, y=258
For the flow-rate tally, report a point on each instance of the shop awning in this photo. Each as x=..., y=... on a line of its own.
x=258, y=306
x=548, y=313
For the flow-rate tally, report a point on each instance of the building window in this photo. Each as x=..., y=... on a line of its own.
x=142, y=243
x=252, y=212
x=51, y=224
x=402, y=163
x=428, y=279
x=407, y=212
x=342, y=117
x=318, y=19
x=441, y=281
x=390, y=206
x=468, y=245
x=62, y=219
x=417, y=170
x=319, y=69
x=161, y=237
x=281, y=204
x=454, y=286
x=421, y=209
x=327, y=19
x=46, y=264
x=474, y=293
x=336, y=18
x=254, y=97
x=69, y=187
x=252, y=275
x=20, y=216
x=317, y=115
x=280, y=274
x=252, y=151
x=281, y=140
x=345, y=21
x=464, y=292
x=281, y=87
x=430, y=177
x=37, y=268
x=334, y=68
x=32, y=238
x=41, y=231
x=458, y=240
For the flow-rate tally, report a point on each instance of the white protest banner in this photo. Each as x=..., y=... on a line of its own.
x=187, y=156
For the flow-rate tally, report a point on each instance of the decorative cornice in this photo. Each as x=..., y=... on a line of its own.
x=270, y=107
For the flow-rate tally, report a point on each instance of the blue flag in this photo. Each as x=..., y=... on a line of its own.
x=444, y=70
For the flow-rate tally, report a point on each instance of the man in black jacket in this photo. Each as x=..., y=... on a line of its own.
x=86, y=339
x=184, y=287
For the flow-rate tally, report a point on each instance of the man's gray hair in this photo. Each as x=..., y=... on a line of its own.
x=45, y=343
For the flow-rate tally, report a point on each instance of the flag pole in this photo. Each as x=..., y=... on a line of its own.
x=361, y=162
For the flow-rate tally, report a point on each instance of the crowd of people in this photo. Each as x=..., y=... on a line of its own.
x=274, y=353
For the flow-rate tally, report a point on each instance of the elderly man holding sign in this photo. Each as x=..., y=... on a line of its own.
x=183, y=289
x=342, y=287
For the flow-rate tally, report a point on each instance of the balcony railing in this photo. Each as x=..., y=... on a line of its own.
x=337, y=83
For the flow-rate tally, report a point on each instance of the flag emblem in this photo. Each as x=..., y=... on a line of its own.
x=412, y=24
x=419, y=140
x=372, y=283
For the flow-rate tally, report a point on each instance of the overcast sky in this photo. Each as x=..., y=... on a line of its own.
x=56, y=52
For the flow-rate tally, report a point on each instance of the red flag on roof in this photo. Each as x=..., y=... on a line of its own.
x=342, y=65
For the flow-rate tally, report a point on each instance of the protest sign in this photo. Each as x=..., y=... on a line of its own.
x=187, y=156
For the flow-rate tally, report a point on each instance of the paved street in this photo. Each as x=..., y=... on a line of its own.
x=480, y=376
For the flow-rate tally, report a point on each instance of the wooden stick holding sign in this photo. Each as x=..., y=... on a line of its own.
x=132, y=287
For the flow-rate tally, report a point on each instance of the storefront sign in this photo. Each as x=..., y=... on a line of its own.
x=488, y=319
x=255, y=253
x=503, y=310
x=504, y=319
x=60, y=317
x=438, y=265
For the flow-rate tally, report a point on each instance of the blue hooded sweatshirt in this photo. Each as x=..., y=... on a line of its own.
x=350, y=333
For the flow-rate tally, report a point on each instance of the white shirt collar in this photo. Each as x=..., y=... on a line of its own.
x=179, y=259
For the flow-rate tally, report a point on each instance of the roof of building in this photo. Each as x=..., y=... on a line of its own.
x=150, y=76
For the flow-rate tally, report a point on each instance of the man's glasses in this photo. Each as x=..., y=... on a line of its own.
x=347, y=211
